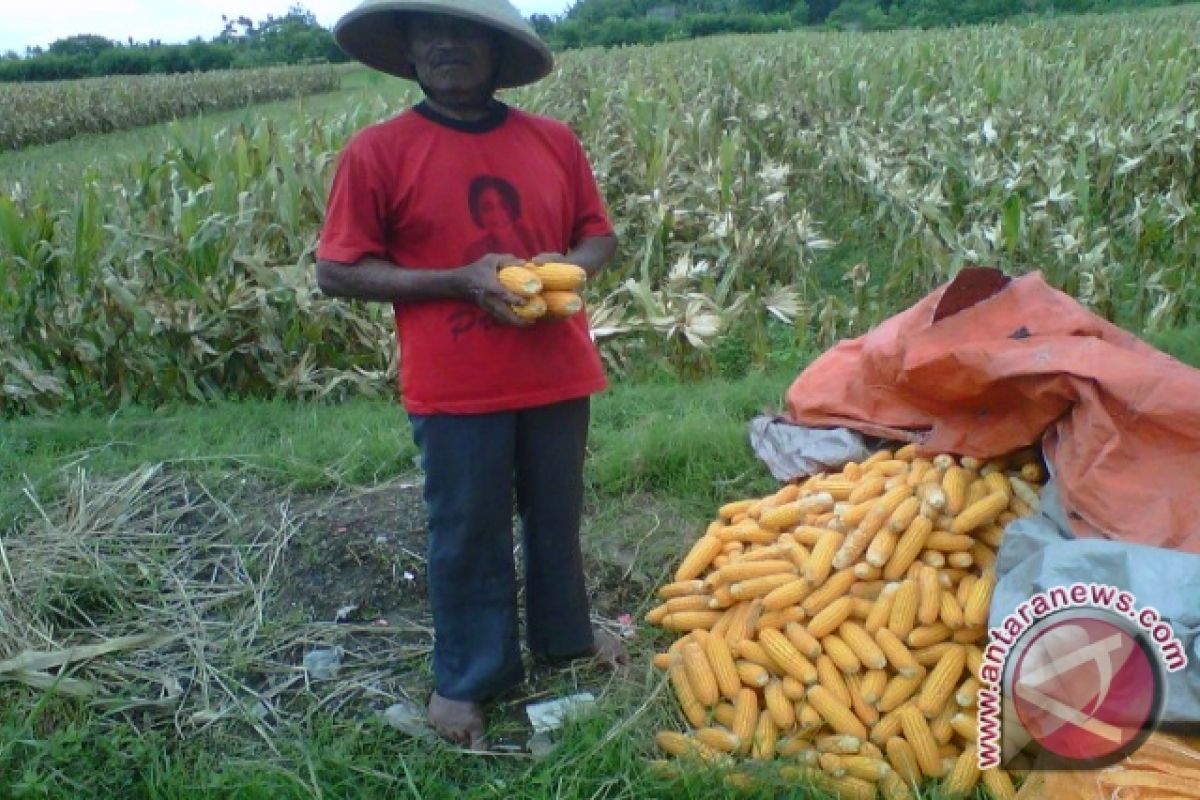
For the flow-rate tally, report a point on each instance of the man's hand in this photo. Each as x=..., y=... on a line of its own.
x=480, y=284
x=550, y=258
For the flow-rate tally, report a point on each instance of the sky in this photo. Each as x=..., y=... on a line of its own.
x=25, y=23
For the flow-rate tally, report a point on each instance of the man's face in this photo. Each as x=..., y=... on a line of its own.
x=452, y=56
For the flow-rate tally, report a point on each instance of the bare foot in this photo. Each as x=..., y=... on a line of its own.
x=608, y=649
x=459, y=721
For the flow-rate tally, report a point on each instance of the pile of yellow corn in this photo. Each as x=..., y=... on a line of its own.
x=838, y=624
x=550, y=290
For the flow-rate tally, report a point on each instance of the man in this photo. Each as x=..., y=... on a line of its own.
x=499, y=406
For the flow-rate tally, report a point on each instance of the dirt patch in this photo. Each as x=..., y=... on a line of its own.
x=358, y=557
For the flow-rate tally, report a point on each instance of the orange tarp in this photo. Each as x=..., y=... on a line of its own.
x=987, y=364
x=1166, y=767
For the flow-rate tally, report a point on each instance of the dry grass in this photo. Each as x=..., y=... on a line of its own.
x=153, y=593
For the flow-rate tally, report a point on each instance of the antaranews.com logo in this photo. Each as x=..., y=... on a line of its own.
x=1077, y=670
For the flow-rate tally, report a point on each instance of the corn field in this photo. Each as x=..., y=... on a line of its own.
x=794, y=187
x=42, y=113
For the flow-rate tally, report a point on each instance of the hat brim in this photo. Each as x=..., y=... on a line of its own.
x=374, y=35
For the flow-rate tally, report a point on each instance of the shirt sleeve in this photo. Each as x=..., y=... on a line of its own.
x=356, y=215
x=591, y=218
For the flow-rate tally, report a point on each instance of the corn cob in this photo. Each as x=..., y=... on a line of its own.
x=698, y=558
x=954, y=484
x=837, y=585
x=745, y=719
x=829, y=676
x=925, y=748
x=908, y=547
x=688, y=703
x=863, y=646
x=941, y=682
x=904, y=609
x=975, y=609
x=783, y=713
x=820, y=562
x=998, y=784
x=718, y=739
x=872, y=684
x=765, y=738
x=670, y=591
x=964, y=776
x=927, y=635
x=788, y=657
x=839, y=716
x=898, y=691
x=751, y=674
x=724, y=670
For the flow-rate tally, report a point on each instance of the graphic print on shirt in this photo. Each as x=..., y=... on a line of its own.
x=495, y=208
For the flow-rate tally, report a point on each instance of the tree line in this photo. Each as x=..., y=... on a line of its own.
x=297, y=37
x=615, y=22
x=294, y=38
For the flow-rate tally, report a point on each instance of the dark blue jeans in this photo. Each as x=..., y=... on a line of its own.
x=474, y=466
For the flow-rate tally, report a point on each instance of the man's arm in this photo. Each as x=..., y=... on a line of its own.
x=592, y=253
x=379, y=280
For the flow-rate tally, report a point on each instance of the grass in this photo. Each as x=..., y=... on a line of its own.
x=648, y=445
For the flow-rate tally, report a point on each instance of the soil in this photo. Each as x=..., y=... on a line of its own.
x=358, y=558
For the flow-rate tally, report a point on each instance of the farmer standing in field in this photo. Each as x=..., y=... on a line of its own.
x=423, y=210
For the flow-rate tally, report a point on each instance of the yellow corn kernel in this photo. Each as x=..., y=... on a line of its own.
x=836, y=585
x=903, y=759
x=998, y=784
x=698, y=558
x=779, y=619
x=897, y=653
x=863, y=646
x=692, y=709
x=793, y=689
x=830, y=617
x=783, y=713
x=718, y=739
x=882, y=609
x=724, y=669
x=808, y=645
x=820, y=561
x=681, y=746
x=929, y=596
x=981, y=512
x=904, y=609
x=690, y=620
x=942, y=681
x=872, y=684
x=783, y=653
x=745, y=718
x=926, y=635
x=975, y=609
x=752, y=674
x=950, y=611
x=838, y=715
x=893, y=787
x=829, y=676
x=954, y=484
x=965, y=725
x=841, y=654
x=925, y=747
x=858, y=704
x=964, y=776
x=766, y=736
x=670, y=591
x=898, y=691
x=786, y=595
x=908, y=547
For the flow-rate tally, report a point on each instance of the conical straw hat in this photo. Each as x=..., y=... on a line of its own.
x=373, y=34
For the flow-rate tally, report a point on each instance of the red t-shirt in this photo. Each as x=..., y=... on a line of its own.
x=425, y=192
